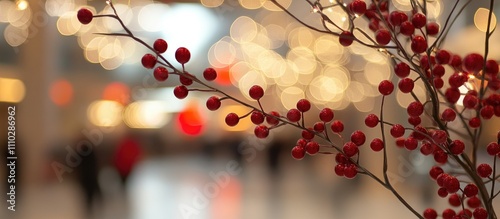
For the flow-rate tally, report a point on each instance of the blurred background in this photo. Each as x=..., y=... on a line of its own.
x=98, y=137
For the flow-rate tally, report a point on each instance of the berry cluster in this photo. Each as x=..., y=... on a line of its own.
x=424, y=63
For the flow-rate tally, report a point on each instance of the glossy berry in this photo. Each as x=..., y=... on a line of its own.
x=213, y=103
x=400, y=142
x=407, y=28
x=85, y=16
x=470, y=190
x=432, y=28
x=411, y=143
x=419, y=20
x=358, y=138
x=397, y=17
x=271, y=119
x=358, y=7
x=298, y=152
x=438, y=82
x=148, y=61
x=232, y=119
x=414, y=120
x=474, y=202
x=182, y=55
x=420, y=133
x=261, y=131
x=452, y=95
x=350, y=171
x=402, y=70
x=427, y=149
x=160, y=45
x=475, y=122
x=457, y=147
x=397, y=130
x=448, y=214
x=377, y=144
x=257, y=117
x=418, y=44
x=371, y=120
x=383, y=37
x=438, y=70
x=491, y=68
x=303, y=105
x=493, y=148
x=181, y=92
x=465, y=214
x=339, y=169
x=473, y=62
x=160, y=73
x=442, y=192
x=293, y=115
x=326, y=115
x=308, y=134
x=470, y=101
x=440, y=156
x=319, y=127
x=439, y=136
x=451, y=184
x=185, y=79
x=337, y=126
x=312, y=147
x=457, y=79
x=346, y=38
x=210, y=74
x=487, y=112
x=435, y=171
x=430, y=213
x=448, y=115
x=484, y=170
x=455, y=61
x=256, y=92
x=480, y=213
x=302, y=142
x=415, y=108
x=454, y=200
x=443, y=57
x=386, y=87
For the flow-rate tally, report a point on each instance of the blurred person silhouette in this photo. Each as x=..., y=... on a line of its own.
x=127, y=154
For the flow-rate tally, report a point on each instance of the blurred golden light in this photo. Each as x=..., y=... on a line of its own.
x=5, y=6
x=272, y=7
x=238, y=70
x=243, y=29
x=61, y=92
x=276, y=35
x=405, y=99
x=22, y=4
x=248, y=80
x=481, y=19
x=244, y=123
x=224, y=51
x=212, y=3
x=328, y=49
x=11, y=90
x=367, y=105
x=105, y=113
x=146, y=115
x=377, y=72
x=68, y=23
x=125, y=13
x=290, y=96
x=289, y=77
x=355, y=92
x=326, y=89
x=118, y=92
x=56, y=8
x=252, y=4
x=303, y=59
x=15, y=36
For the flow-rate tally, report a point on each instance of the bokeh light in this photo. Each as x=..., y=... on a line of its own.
x=105, y=113
x=11, y=90
x=481, y=19
x=61, y=92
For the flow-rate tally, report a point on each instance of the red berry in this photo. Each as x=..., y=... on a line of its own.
x=257, y=117
x=160, y=45
x=487, y=112
x=414, y=120
x=451, y=184
x=312, y=147
x=415, y=108
x=400, y=142
x=438, y=70
x=407, y=28
x=452, y=95
x=418, y=44
x=474, y=202
x=448, y=214
x=442, y=192
x=430, y=213
x=377, y=144
x=427, y=148
x=256, y=92
x=383, y=37
x=435, y=171
x=303, y=105
x=308, y=134
x=411, y=143
x=457, y=147
x=475, y=122
x=271, y=119
x=420, y=133
x=182, y=55
x=448, y=115
x=443, y=57
x=491, y=68
x=350, y=149
x=454, y=200
x=339, y=169
x=160, y=73
x=480, y=213
x=185, y=79
x=358, y=7
x=438, y=82
x=439, y=136
x=402, y=70
x=181, y=92
x=374, y=24
x=350, y=171
x=148, y=61
x=210, y=74
x=232, y=119
x=386, y=87
x=293, y=115
x=371, y=120
x=397, y=130
x=457, y=79
x=358, y=137
x=440, y=156
x=397, y=17
x=302, y=142
x=419, y=20
x=456, y=61
x=465, y=214
x=470, y=101
x=484, y=170
x=493, y=148
x=298, y=152
x=346, y=38
x=319, y=127
x=326, y=115
x=213, y=103
x=425, y=63
x=470, y=190
x=473, y=62
x=261, y=131
x=85, y=16
x=432, y=28
x=337, y=126
x=341, y=159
